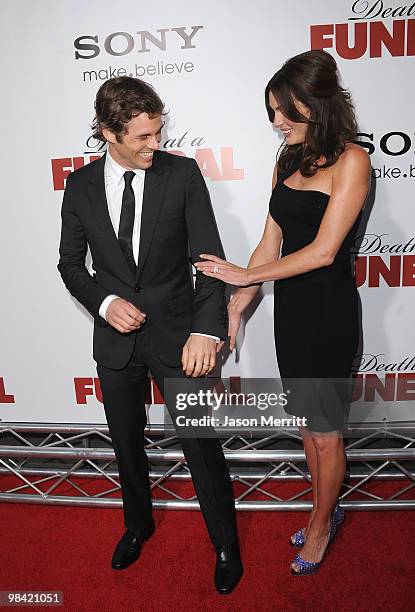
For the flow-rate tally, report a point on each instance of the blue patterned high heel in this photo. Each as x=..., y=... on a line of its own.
x=298, y=538
x=310, y=567
x=338, y=516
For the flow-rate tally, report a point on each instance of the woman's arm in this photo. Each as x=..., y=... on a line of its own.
x=266, y=252
x=350, y=186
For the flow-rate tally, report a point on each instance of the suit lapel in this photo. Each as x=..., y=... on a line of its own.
x=99, y=205
x=154, y=189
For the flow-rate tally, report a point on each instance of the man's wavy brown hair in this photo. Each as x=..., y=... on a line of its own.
x=312, y=78
x=119, y=100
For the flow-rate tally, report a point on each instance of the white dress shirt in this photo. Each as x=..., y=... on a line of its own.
x=114, y=189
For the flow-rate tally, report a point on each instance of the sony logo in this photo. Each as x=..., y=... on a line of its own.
x=122, y=43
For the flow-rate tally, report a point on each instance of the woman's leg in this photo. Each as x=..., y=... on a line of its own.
x=331, y=468
x=311, y=458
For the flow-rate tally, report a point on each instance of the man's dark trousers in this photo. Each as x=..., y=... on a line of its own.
x=124, y=396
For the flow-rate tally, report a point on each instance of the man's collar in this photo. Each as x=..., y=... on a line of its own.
x=114, y=172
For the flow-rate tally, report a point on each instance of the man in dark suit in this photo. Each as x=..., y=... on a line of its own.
x=141, y=211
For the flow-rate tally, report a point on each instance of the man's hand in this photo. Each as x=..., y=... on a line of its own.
x=123, y=316
x=199, y=356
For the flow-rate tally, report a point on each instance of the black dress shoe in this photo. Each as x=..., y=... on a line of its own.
x=128, y=548
x=229, y=569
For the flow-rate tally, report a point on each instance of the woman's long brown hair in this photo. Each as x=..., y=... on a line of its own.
x=313, y=79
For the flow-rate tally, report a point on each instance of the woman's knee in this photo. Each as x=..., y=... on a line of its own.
x=325, y=443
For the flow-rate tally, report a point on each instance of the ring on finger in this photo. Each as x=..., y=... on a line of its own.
x=216, y=270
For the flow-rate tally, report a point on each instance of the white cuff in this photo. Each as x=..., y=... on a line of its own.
x=105, y=304
x=206, y=336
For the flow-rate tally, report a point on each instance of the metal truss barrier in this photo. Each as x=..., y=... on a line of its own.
x=73, y=464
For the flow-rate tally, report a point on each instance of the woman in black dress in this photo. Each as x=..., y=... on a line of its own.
x=320, y=184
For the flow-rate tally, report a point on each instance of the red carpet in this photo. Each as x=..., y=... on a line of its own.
x=370, y=566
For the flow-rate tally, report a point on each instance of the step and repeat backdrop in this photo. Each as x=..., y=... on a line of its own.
x=210, y=63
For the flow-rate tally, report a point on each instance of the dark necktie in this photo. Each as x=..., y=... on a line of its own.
x=125, y=230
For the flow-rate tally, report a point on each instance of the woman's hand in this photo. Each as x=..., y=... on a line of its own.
x=223, y=270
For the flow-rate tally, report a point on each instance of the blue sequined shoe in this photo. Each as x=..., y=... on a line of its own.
x=298, y=538
x=305, y=567
x=338, y=516
x=310, y=567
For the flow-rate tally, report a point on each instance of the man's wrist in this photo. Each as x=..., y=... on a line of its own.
x=104, y=306
x=215, y=338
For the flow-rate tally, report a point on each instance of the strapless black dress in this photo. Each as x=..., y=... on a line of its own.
x=316, y=314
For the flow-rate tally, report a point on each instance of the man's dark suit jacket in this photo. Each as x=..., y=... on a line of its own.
x=177, y=222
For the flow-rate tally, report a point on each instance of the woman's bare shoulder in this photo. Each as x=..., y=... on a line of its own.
x=354, y=153
x=354, y=159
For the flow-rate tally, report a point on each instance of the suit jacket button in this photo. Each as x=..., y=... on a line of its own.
x=137, y=289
